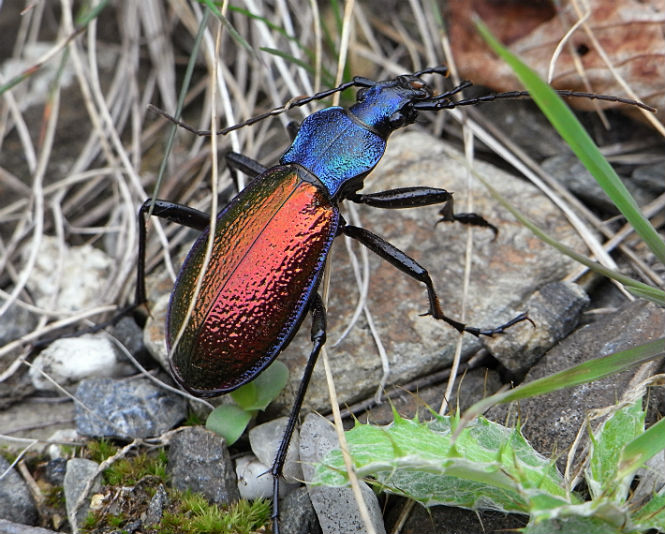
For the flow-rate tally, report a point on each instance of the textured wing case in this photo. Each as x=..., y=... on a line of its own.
x=270, y=246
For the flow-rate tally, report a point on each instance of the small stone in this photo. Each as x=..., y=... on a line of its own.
x=126, y=409
x=64, y=435
x=16, y=503
x=71, y=359
x=555, y=311
x=67, y=278
x=265, y=440
x=255, y=480
x=79, y=472
x=199, y=460
x=153, y=514
x=297, y=515
x=55, y=471
x=16, y=322
x=336, y=508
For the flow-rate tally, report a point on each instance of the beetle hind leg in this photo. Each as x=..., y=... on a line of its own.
x=411, y=267
x=318, y=336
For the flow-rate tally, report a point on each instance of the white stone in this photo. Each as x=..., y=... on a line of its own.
x=265, y=439
x=69, y=360
x=62, y=436
x=69, y=279
x=255, y=480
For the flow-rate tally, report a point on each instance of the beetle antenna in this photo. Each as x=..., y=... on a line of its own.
x=294, y=102
x=358, y=81
x=443, y=102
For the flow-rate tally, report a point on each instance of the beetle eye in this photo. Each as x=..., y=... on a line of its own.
x=397, y=120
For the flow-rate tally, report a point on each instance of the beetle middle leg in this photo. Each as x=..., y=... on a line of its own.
x=411, y=267
x=318, y=336
x=412, y=197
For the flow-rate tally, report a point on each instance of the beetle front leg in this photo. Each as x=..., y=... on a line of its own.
x=171, y=211
x=318, y=336
x=411, y=267
x=239, y=162
x=412, y=197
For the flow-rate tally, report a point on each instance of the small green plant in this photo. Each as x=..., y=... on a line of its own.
x=231, y=420
x=128, y=471
x=100, y=450
x=194, y=514
x=485, y=465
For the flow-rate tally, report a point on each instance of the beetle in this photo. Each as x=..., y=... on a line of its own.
x=271, y=241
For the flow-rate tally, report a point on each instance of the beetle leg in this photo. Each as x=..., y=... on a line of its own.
x=178, y=213
x=411, y=267
x=292, y=129
x=239, y=162
x=318, y=336
x=412, y=197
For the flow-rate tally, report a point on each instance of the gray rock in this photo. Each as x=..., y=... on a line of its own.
x=16, y=503
x=55, y=471
x=130, y=335
x=573, y=175
x=650, y=177
x=505, y=272
x=265, y=440
x=16, y=322
x=10, y=527
x=127, y=409
x=153, y=514
x=79, y=472
x=336, y=508
x=297, y=515
x=551, y=422
x=199, y=460
x=555, y=310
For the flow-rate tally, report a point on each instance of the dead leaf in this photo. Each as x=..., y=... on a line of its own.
x=631, y=33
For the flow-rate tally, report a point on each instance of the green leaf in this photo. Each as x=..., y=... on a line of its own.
x=257, y=394
x=642, y=448
x=488, y=467
x=228, y=421
x=607, y=449
x=652, y=514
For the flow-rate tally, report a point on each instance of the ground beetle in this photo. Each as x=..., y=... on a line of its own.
x=271, y=241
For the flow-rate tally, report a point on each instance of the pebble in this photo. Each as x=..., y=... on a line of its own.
x=16, y=503
x=71, y=359
x=199, y=460
x=79, y=472
x=336, y=508
x=127, y=409
x=266, y=438
x=67, y=279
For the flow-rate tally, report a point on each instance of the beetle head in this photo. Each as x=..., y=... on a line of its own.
x=388, y=105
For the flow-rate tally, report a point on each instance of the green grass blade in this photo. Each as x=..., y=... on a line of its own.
x=582, y=145
x=580, y=374
x=642, y=448
x=636, y=287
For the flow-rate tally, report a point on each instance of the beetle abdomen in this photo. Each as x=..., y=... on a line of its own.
x=270, y=246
